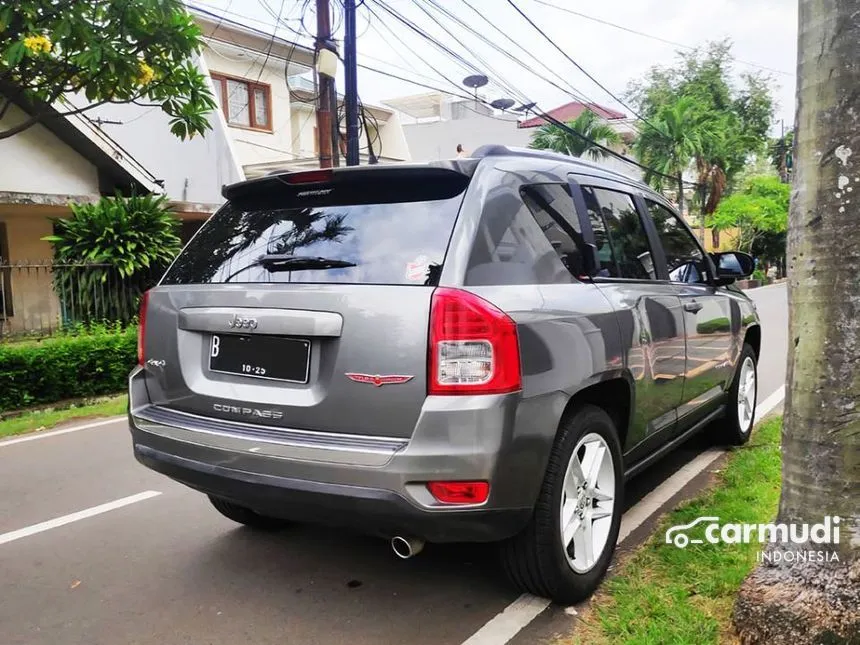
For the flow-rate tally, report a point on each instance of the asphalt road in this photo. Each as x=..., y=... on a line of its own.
x=168, y=569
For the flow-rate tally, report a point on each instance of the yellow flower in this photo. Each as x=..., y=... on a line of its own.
x=145, y=74
x=38, y=44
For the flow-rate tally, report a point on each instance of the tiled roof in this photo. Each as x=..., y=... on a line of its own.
x=570, y=111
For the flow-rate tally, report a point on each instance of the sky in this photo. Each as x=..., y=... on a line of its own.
x=763, y=32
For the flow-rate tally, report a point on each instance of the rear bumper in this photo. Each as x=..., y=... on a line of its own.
x=373, y=484
x=371, y=510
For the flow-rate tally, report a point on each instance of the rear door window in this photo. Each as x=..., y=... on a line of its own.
x=530, y=238
x=622, y=242
x=397, y=242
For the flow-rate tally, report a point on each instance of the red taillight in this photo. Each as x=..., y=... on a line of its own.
x=141, y=327
x=459, y=492
x=309, y=177
x=473, y=346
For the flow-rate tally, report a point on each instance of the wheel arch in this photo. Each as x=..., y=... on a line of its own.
x=752, y=337
x=614, y=394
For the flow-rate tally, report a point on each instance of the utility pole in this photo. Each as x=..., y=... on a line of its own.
x=325, y=84
x=350, y=63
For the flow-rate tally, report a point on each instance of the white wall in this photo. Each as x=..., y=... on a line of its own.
x=392, y=136
x=439, y=139
x=254, y=146
x=303, y=121
x=36, y=161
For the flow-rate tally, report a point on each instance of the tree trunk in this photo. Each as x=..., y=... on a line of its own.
x=681, y=193
x=814, y=601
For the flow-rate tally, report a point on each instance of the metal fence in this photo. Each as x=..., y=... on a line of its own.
x=42, y=298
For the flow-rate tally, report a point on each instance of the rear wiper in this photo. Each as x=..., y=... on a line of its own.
x=288, y=262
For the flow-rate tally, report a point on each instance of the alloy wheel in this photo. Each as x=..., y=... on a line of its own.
x=588, y=502
x=746, y=395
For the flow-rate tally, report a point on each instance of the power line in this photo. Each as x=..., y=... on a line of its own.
x=467, y=65
x=550, y=119
x=653, y=37
x=271, y=43
x=403, y=43
x=576, y=94
x=580, y=68
x=486, y=67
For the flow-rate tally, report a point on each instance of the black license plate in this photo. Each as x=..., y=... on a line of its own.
x=269, y=357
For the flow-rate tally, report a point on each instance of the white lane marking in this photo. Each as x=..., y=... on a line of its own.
x=770, y=403
x=74, y=517
x=54, y=433
x=504, y=626
x=653, y=501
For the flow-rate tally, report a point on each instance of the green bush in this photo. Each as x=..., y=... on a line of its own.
x=108, y=253
x=96, y=361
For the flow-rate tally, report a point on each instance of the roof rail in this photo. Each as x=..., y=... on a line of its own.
x=498, y=150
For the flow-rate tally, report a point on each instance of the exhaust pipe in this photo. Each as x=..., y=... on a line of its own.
x=405, y=547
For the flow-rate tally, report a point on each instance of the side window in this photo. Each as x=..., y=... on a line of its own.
x=552, y=208
x=622, y=243
x=684, y=257
x=524, y=239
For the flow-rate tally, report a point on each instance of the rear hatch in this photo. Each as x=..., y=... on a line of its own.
x=304, y=302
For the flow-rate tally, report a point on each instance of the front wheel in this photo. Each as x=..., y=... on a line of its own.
x=741, y=405
x=566, y=548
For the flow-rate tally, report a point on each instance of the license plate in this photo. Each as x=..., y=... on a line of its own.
x=268, y=357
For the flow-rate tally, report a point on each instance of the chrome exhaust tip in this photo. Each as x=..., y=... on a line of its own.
x=404, y=548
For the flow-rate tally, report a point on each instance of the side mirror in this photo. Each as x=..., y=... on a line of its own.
x=733, y=265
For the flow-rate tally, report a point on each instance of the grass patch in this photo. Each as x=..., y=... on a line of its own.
x=50, y=417
x=663, y=594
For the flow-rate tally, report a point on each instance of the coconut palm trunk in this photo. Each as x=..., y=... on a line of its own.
x=814, y=601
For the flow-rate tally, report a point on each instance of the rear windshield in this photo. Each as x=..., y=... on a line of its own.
x=397, y=242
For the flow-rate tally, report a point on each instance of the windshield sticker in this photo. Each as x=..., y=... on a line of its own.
x=418, y=268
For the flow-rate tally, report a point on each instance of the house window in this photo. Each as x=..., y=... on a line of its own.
x=245, y=103
x=5, y=275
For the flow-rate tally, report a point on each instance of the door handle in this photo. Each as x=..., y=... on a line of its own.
x=692, y=306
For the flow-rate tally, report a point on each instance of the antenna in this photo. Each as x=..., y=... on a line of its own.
x=502, y=104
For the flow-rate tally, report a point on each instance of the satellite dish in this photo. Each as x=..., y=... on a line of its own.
x=502, y=104
x=475, y=81
x=526, y=107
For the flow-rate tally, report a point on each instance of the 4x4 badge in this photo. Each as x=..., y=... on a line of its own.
x=377, y=379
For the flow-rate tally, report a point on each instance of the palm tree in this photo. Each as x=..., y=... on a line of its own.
x=670, y=141
x=807, y=600
x=592, y=130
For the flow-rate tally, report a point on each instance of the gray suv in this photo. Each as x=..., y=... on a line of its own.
x=478, y=350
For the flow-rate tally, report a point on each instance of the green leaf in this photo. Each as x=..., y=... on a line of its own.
x=14, y=54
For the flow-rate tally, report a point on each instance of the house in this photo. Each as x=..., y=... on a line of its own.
x=80, y=158
x=618, y=121
x=439, y=122
x=265, y=89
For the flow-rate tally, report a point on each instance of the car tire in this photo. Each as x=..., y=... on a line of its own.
x=737, y=426
x=536, y=560
x=246, y=516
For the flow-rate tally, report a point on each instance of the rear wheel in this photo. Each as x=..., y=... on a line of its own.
x=565, y=550
x=741, y=405
x=246, y=516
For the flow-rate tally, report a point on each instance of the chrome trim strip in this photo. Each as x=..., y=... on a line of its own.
x=308, y=438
